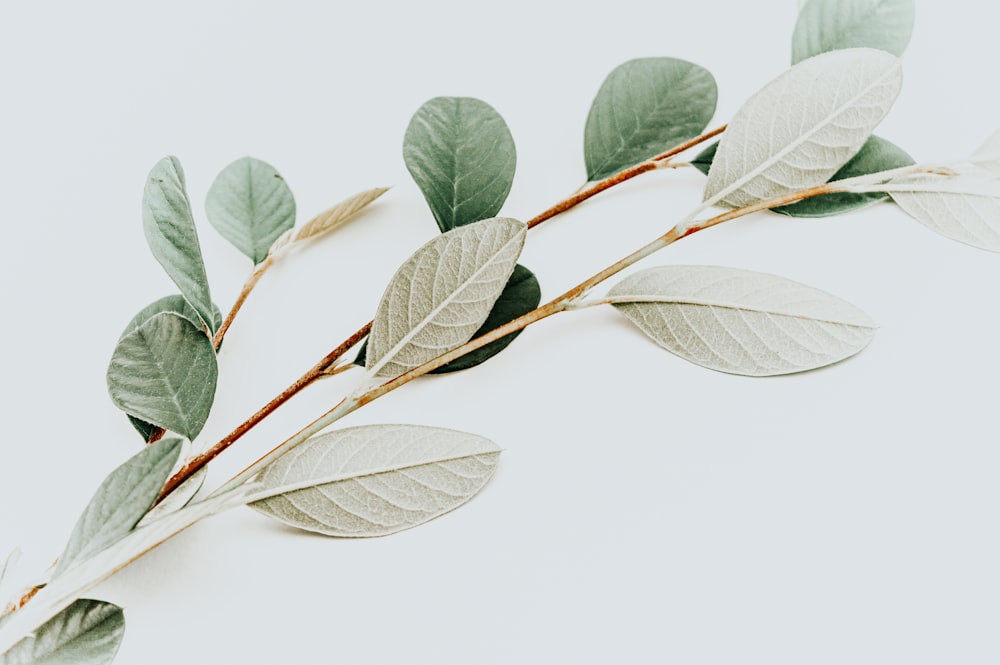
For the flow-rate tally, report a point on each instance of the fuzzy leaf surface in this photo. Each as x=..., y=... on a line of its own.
x=250, y=205
x=829, y=25
x=164, y=372
x=462, y=157
x=88, y=632
x=521, y=295
x=741, y=322
x=121, y=500
x=801, y=128
x=645, y=107
x=170, y=232
x=376, y=480
x=442, y=294
x=965, y=208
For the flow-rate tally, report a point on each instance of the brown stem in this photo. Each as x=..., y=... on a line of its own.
x=649, y=165
x=326, y=366
x=248, y=286
x=318, y=371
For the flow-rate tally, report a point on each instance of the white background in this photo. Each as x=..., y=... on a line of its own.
x=645, y=510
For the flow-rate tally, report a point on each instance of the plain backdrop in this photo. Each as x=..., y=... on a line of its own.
x=645, y=510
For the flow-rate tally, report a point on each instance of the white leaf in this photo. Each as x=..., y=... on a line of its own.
x=442, y=294
x=375, y=480
x=802, y=127
x=741, y=322
x=965, y=207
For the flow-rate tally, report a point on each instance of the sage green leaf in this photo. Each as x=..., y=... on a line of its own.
x=250, y=205
x=643, y=108
x=964, y=207
x=177, y=304
x=875, y=155
x=120, y=502
x=172, y=237
x=741, y=322
x=442, y=294
x=164, y=372
x=88, y=632
x=521, y=295
x=775, y=146
x=145, y=430
x=375, y=480
x=462, y=157
x=177, y=499
x=828, y=25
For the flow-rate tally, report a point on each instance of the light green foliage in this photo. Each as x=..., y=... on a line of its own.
x=828, y=25
x=88, y=632
x=442, y=294
x=772, y=148
x=164, y=372
x=739, y=321
x=375, y=480
x=643, y=108
x=172, y=237
x=250, y=205
x=120, y=502
x=461, y=155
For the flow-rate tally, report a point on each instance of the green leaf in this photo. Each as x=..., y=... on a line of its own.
x=829, y=25
x=88, y=632
x=442, y=294
x=164, y=372
x=521, y=295
x=461, y=155
x=172, y=237
x=250, y=205
x=646, y=107
x=875, y=155
x=375, y=480
x=177, y=304
x=773, y=147
x=120, y=502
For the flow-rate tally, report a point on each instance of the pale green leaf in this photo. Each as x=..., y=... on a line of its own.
x=177, y=499
x=461, y=155
x=803, y=127
x=442, y=294
x=643, y=108
x=375, y=480
x=88, y=632
x=739, y=321
x=829, y=25
x=164, y=372
x=172, y=237
x=120, y=502
x=250, y=205
x=963, y=207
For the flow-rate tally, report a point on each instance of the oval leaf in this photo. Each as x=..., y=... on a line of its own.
x=333, y=218
x=875, y=155
x=172, y=237
x=741, y=322
x=88, y=632
x=643, y=108
x=164, y=372
x=250, y=205
x=461, y=155
x=375, y=480
x=521, y=295
x=803, y=127
x=442, y=294
x=828, y=25
x=963, y=208
x=120, y=502
x=177, y=304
